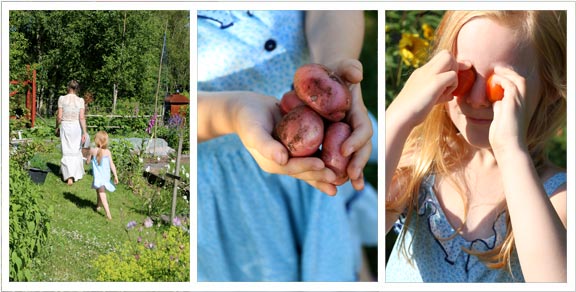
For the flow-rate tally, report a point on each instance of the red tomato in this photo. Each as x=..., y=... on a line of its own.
x=494, y=91
x=466, y=79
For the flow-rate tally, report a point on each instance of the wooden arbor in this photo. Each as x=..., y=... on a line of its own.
x=30, y=86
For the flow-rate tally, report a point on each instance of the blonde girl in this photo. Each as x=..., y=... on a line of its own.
x=102, y=165
x=468, y=179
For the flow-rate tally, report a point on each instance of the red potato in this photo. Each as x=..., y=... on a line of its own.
x=331, y=153
x=289, y=101
x=301, y=131
x=323, y=91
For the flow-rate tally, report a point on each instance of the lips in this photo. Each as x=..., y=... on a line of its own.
x=475, y=120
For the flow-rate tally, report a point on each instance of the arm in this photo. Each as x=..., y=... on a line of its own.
x=83, y=125
x=252, y=116
x=89, y=158
x=337, y=44
x=539, y=231
x=539, y=223
x=113, y=168
x=58, y=119
x=429, y=85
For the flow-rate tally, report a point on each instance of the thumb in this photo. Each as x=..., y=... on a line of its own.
x=351, y=70
x=267, y=146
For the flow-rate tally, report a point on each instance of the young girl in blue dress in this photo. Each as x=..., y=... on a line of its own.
x=263, y=216
x=469, y=179
x=102, y=166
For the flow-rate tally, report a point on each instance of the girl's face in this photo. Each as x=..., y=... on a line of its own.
x=486, y=44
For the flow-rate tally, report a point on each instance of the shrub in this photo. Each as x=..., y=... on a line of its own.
x=164, y=258
x=128, y=164
x=29, y=222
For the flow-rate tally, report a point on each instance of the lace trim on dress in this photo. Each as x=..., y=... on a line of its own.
x=71, y=105
x=428, y=205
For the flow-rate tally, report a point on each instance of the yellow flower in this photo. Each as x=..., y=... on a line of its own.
x=428, y=31
x=413, y=49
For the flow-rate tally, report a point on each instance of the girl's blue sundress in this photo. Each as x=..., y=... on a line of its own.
x=438, y=260
x=252, y=225
x=101, y=173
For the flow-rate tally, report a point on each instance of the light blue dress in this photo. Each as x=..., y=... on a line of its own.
x=437, y=260
x=252, y=225
x=101, y=173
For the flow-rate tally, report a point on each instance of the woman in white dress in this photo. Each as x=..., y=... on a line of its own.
x=72, y=125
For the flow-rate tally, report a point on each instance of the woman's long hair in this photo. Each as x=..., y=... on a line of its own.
x=435, y=147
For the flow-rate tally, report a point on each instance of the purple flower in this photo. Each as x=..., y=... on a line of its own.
x=149, y=245
x=131, y=224
x=151, y=124
x=148, y=222
x=139, y=239
x=175, y=120
x=176, y=221
x=137, y=256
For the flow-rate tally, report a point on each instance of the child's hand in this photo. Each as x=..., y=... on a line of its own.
x=428, y=85
x=511, y=114
x=359, y=144
x=254, y=117
x=115, y=180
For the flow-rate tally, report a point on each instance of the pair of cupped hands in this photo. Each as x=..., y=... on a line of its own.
x=435, y=82
x=255, y=116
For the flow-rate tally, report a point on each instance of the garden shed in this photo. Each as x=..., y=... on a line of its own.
x=175, y=104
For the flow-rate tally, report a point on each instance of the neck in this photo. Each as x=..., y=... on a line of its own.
x=482, y=158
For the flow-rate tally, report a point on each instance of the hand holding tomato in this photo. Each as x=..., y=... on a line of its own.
x=511, y=112
x=428, y=85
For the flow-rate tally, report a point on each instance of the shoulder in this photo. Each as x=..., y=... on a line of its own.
x=554, y=179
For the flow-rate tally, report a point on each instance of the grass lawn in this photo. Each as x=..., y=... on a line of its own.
x=78, y=233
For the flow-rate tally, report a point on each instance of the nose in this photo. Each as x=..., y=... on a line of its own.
x=477, y=97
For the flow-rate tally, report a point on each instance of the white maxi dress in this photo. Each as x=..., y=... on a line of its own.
x=71, y=164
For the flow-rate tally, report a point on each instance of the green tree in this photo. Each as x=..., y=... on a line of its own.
x=103, y=50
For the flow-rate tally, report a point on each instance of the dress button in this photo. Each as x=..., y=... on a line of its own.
x=270, y=45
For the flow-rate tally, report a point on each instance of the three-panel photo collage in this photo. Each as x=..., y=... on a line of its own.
x=288, y=146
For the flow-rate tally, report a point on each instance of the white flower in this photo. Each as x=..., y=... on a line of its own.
x=173, y=161
x=187, y=175
x=140, y=159
x=158, y=158
x=148, y=168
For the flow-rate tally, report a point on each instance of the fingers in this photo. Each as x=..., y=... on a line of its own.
x=358, y=184
x=326, y=188
x=261, y=141
x=358, y=161
x=351, y=70
x=299, y=166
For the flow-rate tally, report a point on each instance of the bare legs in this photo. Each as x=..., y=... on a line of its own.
x=102, y=201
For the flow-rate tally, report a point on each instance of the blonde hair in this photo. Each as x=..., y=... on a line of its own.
x=101, y=140
x=435, y=146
